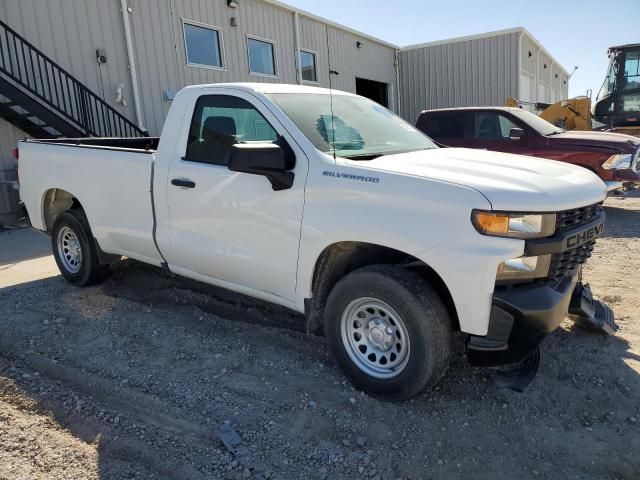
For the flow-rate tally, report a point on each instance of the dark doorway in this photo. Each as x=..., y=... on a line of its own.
x=376, y=91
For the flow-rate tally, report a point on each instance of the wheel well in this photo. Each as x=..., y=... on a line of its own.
x=56, y=201
x=339, y=259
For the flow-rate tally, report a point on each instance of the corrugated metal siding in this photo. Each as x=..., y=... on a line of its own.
x=69, y=32
x=473, y=72
x=9, y=136
x=549, y=87
x=162, y=63
x=529, y=61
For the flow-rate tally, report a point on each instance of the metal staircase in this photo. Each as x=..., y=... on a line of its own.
x=42, y=99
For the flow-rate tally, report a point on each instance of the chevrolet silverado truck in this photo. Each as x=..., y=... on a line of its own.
x=329, y=204
x=611, y=156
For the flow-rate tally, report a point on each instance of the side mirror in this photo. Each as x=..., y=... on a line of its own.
x=517, y=134
x=266, y=159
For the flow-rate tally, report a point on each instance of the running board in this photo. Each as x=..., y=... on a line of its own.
x=590, y=314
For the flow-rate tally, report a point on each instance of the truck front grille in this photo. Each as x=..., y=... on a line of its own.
x=568, y=262
x=577, y=216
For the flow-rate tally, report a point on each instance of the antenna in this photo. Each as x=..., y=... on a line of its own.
x=331, y=72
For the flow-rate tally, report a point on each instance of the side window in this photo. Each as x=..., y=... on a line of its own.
x=446, y=125
x=492, y=126
x=630, y=98
x=506, y=124
x=220, y=121
x=486, y=126
x=631, y=74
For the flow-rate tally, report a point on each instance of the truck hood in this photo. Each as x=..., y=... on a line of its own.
x=615, y=141
x=509, y=182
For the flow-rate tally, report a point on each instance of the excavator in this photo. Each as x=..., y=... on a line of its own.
x=617, y=106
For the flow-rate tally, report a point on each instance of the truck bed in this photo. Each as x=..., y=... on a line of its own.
x=109, y=177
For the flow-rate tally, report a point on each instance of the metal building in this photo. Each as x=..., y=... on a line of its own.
x=479, y=70
x=111, y=67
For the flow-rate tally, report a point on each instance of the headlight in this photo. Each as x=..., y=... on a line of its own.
x=618, y=162
x=515, y=225
x=524, y=268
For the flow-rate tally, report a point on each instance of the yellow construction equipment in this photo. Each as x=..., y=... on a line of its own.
x=617, y=107
x=571, y=114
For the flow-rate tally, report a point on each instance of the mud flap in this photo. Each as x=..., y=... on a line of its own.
x=519, y=375
x=591, y=314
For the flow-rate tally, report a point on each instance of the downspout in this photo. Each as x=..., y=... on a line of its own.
x=132, y=63
x=538, y=74
x=397, y=62
x=296, y=28
x=551, y=82
x=518, y=78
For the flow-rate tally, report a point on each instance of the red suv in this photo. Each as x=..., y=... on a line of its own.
x=611, y=156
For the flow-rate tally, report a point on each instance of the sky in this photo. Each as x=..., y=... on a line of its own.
x=574, y=32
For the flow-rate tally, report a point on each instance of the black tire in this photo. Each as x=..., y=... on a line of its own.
x=421, y=310
x=90, y=270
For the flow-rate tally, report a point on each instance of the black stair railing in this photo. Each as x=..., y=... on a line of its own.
x=36, y=73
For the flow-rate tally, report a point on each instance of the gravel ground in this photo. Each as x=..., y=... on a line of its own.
x=138, y=377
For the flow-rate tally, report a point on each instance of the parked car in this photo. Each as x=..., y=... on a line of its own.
x=337, y=209
x=611, y=156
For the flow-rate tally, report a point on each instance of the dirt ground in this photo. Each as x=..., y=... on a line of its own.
x=136, y=377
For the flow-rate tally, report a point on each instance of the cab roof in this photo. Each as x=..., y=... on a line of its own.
x=464, y=109
x=267, y=88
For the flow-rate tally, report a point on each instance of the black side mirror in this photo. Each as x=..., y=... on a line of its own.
x=266, y=159
x=517, y=134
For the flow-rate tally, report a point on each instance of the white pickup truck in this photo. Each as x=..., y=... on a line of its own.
x=330, y=205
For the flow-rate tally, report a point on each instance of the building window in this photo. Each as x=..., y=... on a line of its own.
x=203, y=45
x=308, y=66
x=262, y=57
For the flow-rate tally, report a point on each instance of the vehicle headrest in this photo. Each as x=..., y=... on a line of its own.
x=218, y=126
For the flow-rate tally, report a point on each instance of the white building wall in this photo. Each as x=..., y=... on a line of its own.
x=464, y=72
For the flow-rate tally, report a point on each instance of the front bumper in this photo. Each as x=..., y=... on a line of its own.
x=520, y=318
x=522, y=315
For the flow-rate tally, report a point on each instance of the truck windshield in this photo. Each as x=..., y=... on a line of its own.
x=538, y=124
x=354, y=127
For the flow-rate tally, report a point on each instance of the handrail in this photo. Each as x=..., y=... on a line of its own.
x=60, y=91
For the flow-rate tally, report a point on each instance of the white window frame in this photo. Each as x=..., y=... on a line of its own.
x=223, y=58
x=274, y=45
x=315, y=65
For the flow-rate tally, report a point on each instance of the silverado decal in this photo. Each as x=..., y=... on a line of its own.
x=349, y=176
x=585, y=236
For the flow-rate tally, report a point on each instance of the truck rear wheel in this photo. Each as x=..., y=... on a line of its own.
x=75, y=251
x=389, y=331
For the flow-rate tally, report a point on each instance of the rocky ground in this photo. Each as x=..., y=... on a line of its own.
x=146, y=375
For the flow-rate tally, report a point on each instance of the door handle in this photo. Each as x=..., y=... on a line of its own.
x=182, y=182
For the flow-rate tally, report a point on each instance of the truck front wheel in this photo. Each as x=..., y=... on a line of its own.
x=74, y=249
x=388, y=330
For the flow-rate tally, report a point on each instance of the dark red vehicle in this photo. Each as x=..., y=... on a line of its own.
x=612, y=156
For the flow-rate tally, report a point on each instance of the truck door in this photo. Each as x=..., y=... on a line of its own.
x=230, y=226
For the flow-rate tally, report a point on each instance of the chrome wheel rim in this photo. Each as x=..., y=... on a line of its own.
x=69, y=250
x=375, y=337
